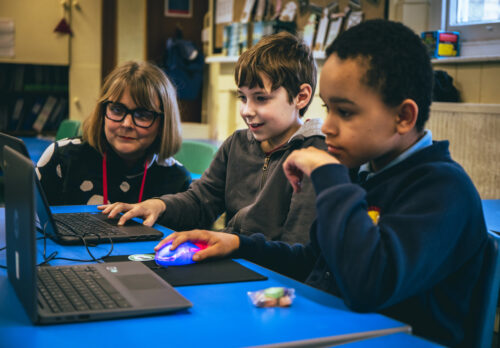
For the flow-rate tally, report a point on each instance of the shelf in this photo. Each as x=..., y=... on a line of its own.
x=234, y=59
x=59, y=93
x=33, y=98
x=460, y=60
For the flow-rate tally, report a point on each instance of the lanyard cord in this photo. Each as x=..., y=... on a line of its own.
x=105, y=180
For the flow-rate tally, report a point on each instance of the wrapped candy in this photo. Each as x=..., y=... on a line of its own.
x=272, y=297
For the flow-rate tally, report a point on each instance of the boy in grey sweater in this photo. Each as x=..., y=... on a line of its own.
x=276, y=80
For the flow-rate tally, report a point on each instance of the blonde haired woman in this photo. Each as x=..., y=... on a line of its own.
x=125, y=152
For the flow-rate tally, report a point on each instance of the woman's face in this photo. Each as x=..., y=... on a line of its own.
x=129, y=141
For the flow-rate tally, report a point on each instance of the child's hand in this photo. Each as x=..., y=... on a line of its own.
x=303, y=162
x=149, y=210
x=219, y=244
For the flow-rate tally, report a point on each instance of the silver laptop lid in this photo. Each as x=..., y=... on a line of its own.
x=20, y=228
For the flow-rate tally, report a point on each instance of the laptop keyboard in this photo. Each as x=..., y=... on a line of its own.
x=71, y=289
x=84, y=224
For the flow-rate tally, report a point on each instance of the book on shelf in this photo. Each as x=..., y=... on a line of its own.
x=17, y=113
x=257, y=32
x=261, y=29
x=243, y=38
x=231, y=39
x=26, y=123
x=309, y=30
x=4, y=117
x=321, y=32
x=18, y=78
x=44, y=113
x=60, y=113
x=334, y=28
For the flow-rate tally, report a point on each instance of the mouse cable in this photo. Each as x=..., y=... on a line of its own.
x=54, y=256
x=5, y=247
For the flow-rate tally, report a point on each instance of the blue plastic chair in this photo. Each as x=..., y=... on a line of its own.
x=488, y=291
x=196, y=155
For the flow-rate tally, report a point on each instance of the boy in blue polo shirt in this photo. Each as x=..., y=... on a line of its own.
x=400, y=227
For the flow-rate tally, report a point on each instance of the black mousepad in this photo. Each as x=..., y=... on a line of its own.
x=208, y=272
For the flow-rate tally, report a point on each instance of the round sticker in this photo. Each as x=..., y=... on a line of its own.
x=141, y=257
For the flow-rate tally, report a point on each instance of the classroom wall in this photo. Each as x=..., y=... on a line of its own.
x=131, y=30
x=476, y=81
x=472, y=130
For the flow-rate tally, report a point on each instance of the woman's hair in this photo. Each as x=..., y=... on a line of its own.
x=146, y=83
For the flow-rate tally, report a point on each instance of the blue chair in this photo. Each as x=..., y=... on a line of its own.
x=196, y=155
x=488, y=292
x=68, y=129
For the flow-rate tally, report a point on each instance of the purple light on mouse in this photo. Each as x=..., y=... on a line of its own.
x=182, y=255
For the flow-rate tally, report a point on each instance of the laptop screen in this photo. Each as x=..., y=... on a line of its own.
x=43, y=217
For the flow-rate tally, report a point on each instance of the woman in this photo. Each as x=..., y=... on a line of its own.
x=125, y=152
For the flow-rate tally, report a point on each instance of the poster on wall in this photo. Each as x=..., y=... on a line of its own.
x=178, y=8
x=7, y=39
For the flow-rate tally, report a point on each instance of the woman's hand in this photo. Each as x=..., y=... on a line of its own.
x=149, y=211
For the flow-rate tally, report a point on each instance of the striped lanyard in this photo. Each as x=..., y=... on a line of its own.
x=105, y=180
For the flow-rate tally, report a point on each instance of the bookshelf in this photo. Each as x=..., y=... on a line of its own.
x=220, y=103
x=33, y=98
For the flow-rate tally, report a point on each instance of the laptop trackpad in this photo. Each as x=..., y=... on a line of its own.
x=135, y=282
x=147, y=290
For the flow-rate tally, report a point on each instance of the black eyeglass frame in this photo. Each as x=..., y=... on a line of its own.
x=131, y=112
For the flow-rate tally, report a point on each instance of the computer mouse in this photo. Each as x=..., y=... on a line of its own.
x=182, y=255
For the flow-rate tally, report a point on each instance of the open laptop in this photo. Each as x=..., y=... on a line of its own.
x=75, y=228
x=72, y=293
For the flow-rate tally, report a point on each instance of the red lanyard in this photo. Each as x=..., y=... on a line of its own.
x=105, y=181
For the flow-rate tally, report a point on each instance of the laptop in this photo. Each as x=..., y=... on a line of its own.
x=78, y=228
x=72, y=293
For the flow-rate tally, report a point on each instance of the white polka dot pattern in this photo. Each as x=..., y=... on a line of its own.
x=95, y=200
x=86, y=186
x=46, y=156
x=125, y=186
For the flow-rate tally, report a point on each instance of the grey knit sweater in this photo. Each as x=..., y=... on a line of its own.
x=250, y=186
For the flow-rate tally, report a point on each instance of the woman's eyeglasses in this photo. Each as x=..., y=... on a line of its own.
x=141, y=117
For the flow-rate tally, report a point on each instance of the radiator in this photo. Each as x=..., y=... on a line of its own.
x=474, y=134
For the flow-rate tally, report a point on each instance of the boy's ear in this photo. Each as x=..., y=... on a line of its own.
x=407, y=116
x=304, y=95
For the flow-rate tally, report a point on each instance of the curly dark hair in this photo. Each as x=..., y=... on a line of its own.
x=399, y=65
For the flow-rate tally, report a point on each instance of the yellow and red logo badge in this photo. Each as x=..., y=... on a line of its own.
x=374, y=214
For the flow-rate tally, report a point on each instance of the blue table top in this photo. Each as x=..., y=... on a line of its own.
x=222, y=314
x=396, y=340
x=491, y=209
x=36, y=146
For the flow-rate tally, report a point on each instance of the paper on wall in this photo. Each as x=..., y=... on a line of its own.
x=224, y=11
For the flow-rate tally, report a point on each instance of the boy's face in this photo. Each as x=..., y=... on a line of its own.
x=268, y=114
x=359, y=127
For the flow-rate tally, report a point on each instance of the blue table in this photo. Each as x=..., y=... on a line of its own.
x=222, y=314
x=36, y=147
x=396, y=340
x=491, y=208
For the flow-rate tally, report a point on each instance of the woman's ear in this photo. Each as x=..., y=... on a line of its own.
x=304, y=96
x=407, y=116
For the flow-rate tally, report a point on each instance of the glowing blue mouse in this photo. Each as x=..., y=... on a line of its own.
x=182, y=255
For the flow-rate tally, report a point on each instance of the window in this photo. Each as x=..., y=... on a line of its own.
x=476, y=20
